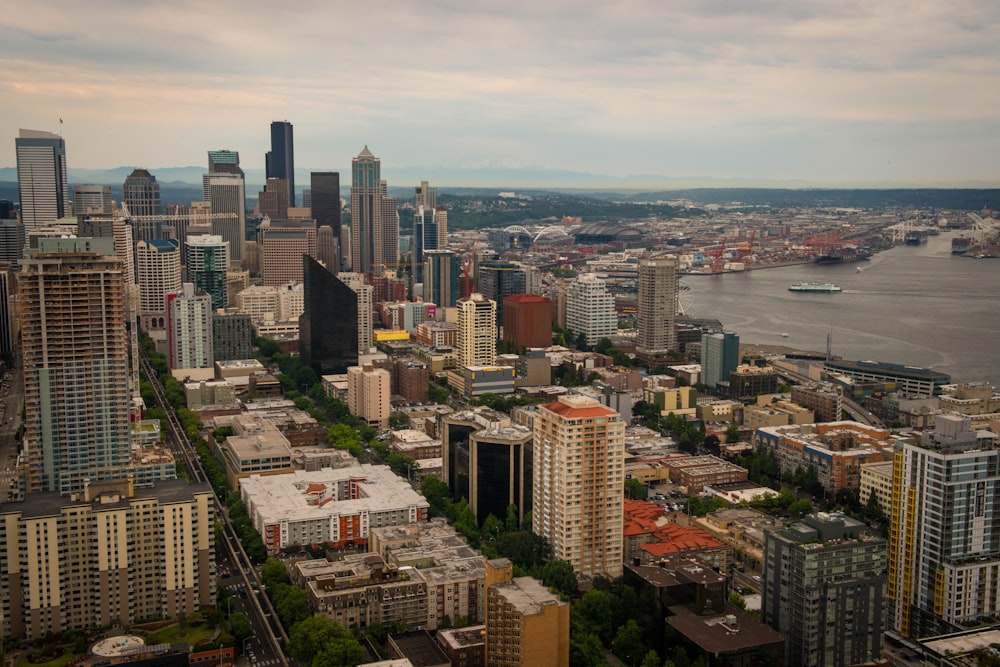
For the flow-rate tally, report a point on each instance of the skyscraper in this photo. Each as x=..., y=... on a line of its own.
x=206, y=260
x=189, y=327
x=430, y=232
x=282, y=245
x=141, y=193
x=498, y=280
x=441, y=272
x=590, y=309
x=374, y=217
x=326, y=249
x=42, y=186
x=274, y=201
x=477, y=331
x=77, y=396
x=280, y=160
x=944, y=544
x=227, y=194
x=527, y=321
x=92, y=200
x=824, y=590
x=328, y=327
x=578, y=485
x=656, y=311
x=720, y=355
x=224, y=162
x=158, y=265
x=325, y=204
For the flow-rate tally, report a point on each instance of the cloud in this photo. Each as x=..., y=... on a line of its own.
x=649, y=87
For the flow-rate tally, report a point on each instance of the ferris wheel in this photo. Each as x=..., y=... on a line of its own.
x=685, y=299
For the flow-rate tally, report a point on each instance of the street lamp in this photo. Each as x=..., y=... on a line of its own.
x=245, y=643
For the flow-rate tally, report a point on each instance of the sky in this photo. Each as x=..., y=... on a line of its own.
x=830, y=92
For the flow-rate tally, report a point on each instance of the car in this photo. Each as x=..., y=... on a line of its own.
x=756, y=577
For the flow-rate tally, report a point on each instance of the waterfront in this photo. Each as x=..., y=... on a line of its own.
x=914, y=305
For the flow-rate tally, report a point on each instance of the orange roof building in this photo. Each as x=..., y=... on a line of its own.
x=649, y=534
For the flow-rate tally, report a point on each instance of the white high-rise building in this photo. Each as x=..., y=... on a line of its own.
x=578, y=483
x=228, y=196
x=189, y=324
x=590, y=309
x=477, y=331
x=42, y=185
x=159, y=274
x=365, y=292
x=368, y=392
x=92, y=200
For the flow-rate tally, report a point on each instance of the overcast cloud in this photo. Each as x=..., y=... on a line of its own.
x=827, y=91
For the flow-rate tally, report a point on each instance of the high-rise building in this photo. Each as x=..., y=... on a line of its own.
x=824, y=590
x=75, y=564
x=8, y=333
x=328, y=326
x=206, y=261
x=141, y=194
x=365, y=314
x=77, y=395
x=280, y=160
x=430, y=232
x=441, y=273
x=497, y=280
x=224, y=162
x=227, y=197
x=527, y=321
x=578, y=483
x=274, y=201
x=944, y=547
x=656, y=311
x=477, y=331
x=189, y=327
x=282, y=245
x=42, y=186
x=500, y=471
x=232, y=336
x=325, y=201
x=12, y=240
x=590, y=309
x=326, y=249
x=374, y=217
x=92, y=200
x=720, y=355
x=158, y=266
x=368, y=394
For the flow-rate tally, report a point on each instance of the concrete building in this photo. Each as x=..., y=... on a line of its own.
x=720, y=355
x=335, y=507
x=697, y=472
x=825, y=398
x=227, y=203
x=590, y=309
x=496, y=280
x=232, y=336
x=527, y=321
x=365, y=295
x=908, y=380
x=681, y=401
x=824, y=589
x=369, y=393
x=476, y=341
x=656, y=310
x=256, y=447
x=206, y=261
x=578, y=480
x=42, y=185
x=747, y=382
x=437, y=334
x=780, y=413
x=92, y=200
x=274, y=200
x=189, y=327
x=876, y=480
x=158, y=274
x=526, y=623
x=944, y=568
x=441, y=274
x=430, y=232
x=12, y=241
x=110, y=557
x=282, y=245
x=141, y=196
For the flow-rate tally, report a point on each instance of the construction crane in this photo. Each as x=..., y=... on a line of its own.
x=746, y=253
x=716, y=261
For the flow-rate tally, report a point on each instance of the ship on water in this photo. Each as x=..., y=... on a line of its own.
x=814, y=287
x=844, y=255
x=961, y=245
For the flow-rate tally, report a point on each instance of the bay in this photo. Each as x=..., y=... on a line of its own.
x=912, y=305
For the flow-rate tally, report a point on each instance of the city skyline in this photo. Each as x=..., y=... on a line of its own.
x=825, y=93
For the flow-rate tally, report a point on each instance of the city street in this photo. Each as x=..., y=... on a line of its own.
x=11, y=402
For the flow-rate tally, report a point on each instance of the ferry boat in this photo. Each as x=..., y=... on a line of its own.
x=814, y=287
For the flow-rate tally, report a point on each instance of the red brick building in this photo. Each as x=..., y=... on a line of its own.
x=527, y=321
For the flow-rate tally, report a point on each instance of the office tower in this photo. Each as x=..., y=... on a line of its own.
x=328, y=326
x=224, y=162
x=578, y=484
x=42, y=186
x=944, y=545
x=8, y=334
x=6, y=209
x=12, y=240
x=590, y=309
x=346, y=254
x=526, y=623
x=441, y=273
x=326, y=248
x=527, y=321
x=232, y=336
x=112, y=557
x=158, y=265
x=374, y=217
x=477, y=331
x=206, y=261
x=92, y=200
x=656, y=311
x=824, y=590
x=189, y=329
x=426, y=233
x=365, y=318
x=281, y=246
x=497, y=280
x=325, y=204
x=720, y=355
x=274, y=201
x=500, y=471
x=75, y=355
x=280, y=160
x=227, y=197
x=368, y=394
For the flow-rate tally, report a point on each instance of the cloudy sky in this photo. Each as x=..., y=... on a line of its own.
x=825, y=91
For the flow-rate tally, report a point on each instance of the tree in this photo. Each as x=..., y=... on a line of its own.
x=492, y=528
x=627, y=643
x=559, y=574
x=651, y=659
x=239, y=627
x=596, y=612
x=635, y=489
x=512, y=522
x=294, y=606
x=273, y=572
x=732, y=434
x=398, y=421
x=438, y=495
x=319, y=641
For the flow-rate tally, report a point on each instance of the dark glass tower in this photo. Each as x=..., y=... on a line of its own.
x=328, y=328
x=326, y=199
x=280, y=160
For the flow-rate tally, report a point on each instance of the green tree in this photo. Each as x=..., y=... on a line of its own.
x=512, y=522
x=294, y=607
x=273, y=572
x=438, y=495
x=596, y=612
x=585, y=650
x=239, y=627
x=492, y=528
x=437, y=394
x=732, y=434
x=651, y=659
x=398, y=421
x=627, y=643
x=559, y=574
x=635, y=489
x=319, y=641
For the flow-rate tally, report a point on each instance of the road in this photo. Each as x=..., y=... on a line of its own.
x=853, y=410
x=11, y=403
x=232, y=563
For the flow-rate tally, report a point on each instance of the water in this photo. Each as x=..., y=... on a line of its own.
x=914, y=305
